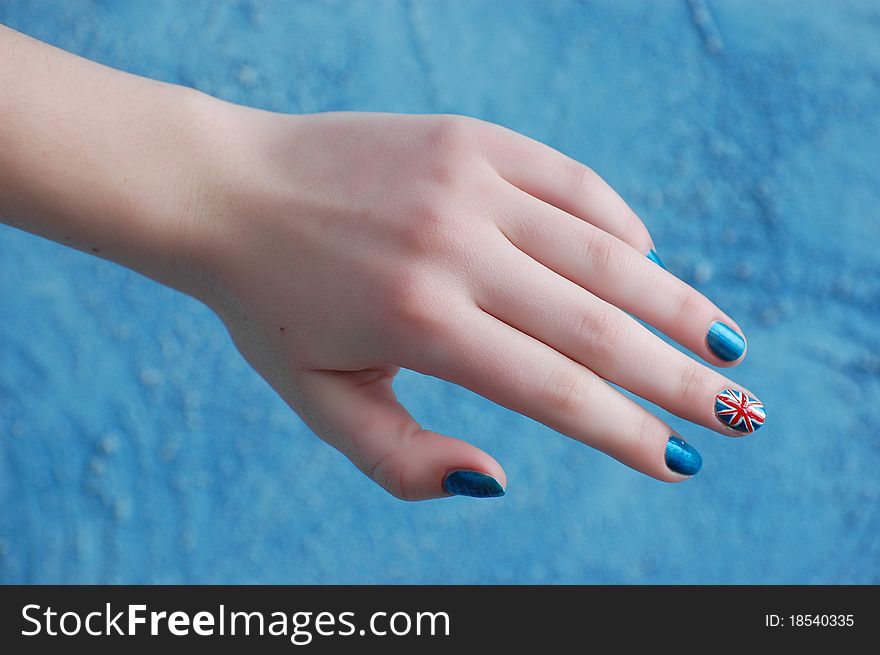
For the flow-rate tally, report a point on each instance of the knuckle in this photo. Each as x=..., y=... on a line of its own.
x=431, y=227
x=688, y=306
x=602, y=252
x=564, y=391
x=600, y=332
x=690, y=385
x=410, y=301
x=582, y=178
x=453, y=144
x=443, y=175
x=389, y=472
x=450, y=133
x=419, y=322
x=611, y=259
x=645, y=428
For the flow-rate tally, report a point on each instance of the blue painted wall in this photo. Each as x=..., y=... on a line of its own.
x=136, y=445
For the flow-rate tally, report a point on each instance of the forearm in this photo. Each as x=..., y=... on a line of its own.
x=101, y=160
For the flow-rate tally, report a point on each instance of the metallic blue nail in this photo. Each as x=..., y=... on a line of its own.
x=725, y=342
x=681, y=457
x=654, y=257
x=472, y=483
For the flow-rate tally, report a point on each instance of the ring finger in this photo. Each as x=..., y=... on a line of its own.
x=602, y=337
x=521, y=373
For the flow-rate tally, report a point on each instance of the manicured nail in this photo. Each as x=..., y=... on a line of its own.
x=739, y=411
x=472, y=483
x=681, y=457
x=654, y=257
x=725, y=342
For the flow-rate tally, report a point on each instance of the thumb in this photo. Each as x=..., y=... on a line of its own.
x=359, y=414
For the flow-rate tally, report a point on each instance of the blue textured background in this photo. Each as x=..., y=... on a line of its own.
x=136, y=445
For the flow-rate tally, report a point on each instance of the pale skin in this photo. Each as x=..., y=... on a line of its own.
x=339, y=247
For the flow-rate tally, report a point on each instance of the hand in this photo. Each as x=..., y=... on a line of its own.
x=338, y=247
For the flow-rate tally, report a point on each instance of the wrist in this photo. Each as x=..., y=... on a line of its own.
x=182, y=212
x=216, y=183
x=133, y=170
x=240, y=181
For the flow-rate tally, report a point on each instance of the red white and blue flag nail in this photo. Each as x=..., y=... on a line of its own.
x=739, y=411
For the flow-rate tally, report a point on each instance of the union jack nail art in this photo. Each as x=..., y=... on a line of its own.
x=739, y=411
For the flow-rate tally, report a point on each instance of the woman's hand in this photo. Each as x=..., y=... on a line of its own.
x=338, y=247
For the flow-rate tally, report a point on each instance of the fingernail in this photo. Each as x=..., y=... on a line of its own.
x=472, y=483
x=739, y=411
x=725, y=342
x=681, y=457
x=654, y=257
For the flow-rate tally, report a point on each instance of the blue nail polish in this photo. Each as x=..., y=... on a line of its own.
x=472, y=483
x=725, y=342
x=681, y=457
x=654, y=257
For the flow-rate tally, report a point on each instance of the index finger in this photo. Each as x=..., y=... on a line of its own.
x=573, y=187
